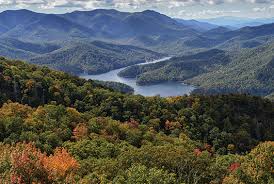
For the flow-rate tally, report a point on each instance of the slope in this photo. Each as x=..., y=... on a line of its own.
x=94, y=57
x=199, y=26
x=250, y=72
x=49, y=27
x=177, y=68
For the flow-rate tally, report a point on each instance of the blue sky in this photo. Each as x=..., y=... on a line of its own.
x=187, y=9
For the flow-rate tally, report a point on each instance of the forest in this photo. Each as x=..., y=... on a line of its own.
x=214, y=71
x=58, y=128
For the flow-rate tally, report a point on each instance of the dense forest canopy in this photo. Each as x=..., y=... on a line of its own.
x=57, y=128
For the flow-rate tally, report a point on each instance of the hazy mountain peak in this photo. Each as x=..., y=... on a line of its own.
x=18, y=11
x=151, y=12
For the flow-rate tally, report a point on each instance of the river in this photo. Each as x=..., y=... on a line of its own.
x=163, y=89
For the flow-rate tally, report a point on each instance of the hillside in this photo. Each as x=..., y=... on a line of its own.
x=223, y=38
x=238, y=22
x=48, y=28
x=76, y=128
x=94, y=57
x=115, y=24
x=76, y=56
x=251, y=72
x=215, y=71
x=199, y=26
x=177, y=68
x=123, y=27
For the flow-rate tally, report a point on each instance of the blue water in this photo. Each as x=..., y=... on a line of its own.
x=163, y=89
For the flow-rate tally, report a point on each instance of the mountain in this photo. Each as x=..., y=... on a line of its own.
x=94, y=57
x=223, y=38
x=123, y=25
x=215, y=71
x=177, y=68
x=106, y=23
x=145, y=29
x=33, y=47
x=198, y=26
x=238, y=22
x=250, y=72
x=28, y=25
x=14, y=53
x=76, y=56
x=218, y=38
x=98, y=24
x=48, y=28
x=12, y=18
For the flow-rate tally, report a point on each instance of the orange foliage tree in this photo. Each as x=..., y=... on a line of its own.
x=27, y=164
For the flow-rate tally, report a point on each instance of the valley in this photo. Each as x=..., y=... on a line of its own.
x=164, y=89
x=112, y=40
x=136, y=92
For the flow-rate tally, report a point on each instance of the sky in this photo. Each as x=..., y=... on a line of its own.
x=186, y=9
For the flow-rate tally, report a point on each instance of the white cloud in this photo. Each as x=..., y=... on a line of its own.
x=87, y=4
x=212, y=13
x=259, y=9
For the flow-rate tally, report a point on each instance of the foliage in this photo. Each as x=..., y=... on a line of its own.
x=121, y=87
x=23, y=163
x=142, y=175
x=255, y=167
x=56, y=128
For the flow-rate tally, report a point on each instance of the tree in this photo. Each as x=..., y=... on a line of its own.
x=140, y=174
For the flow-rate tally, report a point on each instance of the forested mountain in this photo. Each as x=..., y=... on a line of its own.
x=76, y=56
x=123, y=25
x=247, y=37
x=56, y=128
x=34, y=47
x=148, y=29
x=250, y=72
x=94, y=57
x=215, y=71
x=144, y=27
x=238, y=22
x=177, y=68
x=29, y=25
x=199, y=26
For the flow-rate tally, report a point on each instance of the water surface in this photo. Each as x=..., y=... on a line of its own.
x=163, y=89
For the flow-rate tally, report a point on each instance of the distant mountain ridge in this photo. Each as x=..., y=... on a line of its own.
x=237, y=22
x=148, y=29
x=197, y=25
x=106, y=24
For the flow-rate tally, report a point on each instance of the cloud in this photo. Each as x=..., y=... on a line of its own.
x=88, y=4
x=204, y=13
x=259, y=9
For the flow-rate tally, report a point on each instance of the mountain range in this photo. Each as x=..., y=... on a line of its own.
x=102, y=40
x=237, y=22
x=105, y=24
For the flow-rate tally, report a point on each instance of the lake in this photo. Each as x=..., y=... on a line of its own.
x=163, y=89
